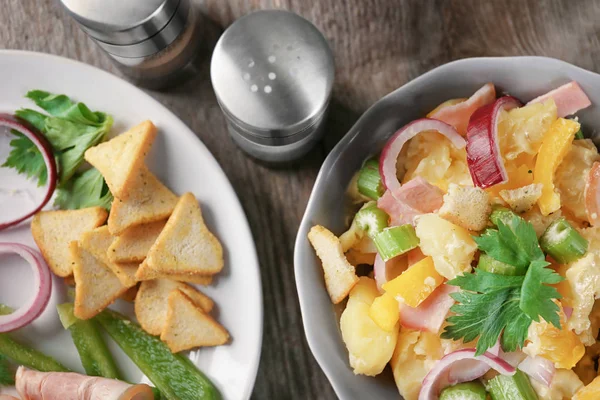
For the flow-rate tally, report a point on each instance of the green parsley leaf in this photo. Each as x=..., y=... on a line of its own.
x=7, y=373
x=536, y=299
x=86, y=189
x=71, y=129
x=26, y=159
x=513, y=243
x=488, y=304
x=59, y=105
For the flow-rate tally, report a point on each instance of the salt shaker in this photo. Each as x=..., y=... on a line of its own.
x=153, y=42
x=272, y=72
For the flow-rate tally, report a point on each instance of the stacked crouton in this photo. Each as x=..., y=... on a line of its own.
x=148, y=249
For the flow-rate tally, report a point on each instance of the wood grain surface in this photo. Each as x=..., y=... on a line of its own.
x=378, y=45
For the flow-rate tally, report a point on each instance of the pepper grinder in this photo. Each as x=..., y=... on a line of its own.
x=272, y=72
x=153, y=42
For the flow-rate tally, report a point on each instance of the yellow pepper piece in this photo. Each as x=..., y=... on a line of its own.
x=563, y=287
x=557, y=142
x=385, y=312
x=415, y=284
x=589, y=392
x=517, y=177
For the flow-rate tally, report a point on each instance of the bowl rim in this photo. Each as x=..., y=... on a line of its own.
x=311, y=331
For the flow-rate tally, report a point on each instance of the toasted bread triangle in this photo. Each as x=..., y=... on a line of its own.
x=149, y=201
x=133, y=244
x=119, y=159
x=96, y=286
x=54, y=230
x=145, y=273
x=151, y=304
x=188, y=326
x=185, y=245
x=97, y=242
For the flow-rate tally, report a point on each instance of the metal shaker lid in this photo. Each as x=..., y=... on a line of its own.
x=122, y=22
x=272, y=72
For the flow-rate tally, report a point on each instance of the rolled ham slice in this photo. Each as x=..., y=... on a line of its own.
x=34, y=385
x=569, y=99
x=414, y=198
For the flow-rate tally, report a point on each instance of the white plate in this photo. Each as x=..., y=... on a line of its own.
x=184, y=164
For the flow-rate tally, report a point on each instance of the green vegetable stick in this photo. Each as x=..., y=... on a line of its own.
x=562, y=242
x=396, y=240
x=372, y=220
x=465, y=391
x=501, y=214
x=516, y=387
x=7, y=373
x=579, y=135
x=24, y=355
x=369, y=181
x=176, y=378
x=489, y=264
x=95, y=356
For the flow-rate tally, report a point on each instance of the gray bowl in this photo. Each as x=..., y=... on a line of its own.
x=522, y=77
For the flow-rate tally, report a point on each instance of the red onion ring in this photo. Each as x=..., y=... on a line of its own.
x=32, y=309
x=42, y=144
x=438, y=378
x=393, y=147
x=539, y=368
x=483, y=150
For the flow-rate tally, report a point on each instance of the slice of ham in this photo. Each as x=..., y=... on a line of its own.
x=431, y=313
x=34, y=385
x=385, y=271
x=414, y=256
x=7, y=397
x=414, y=198
x=458, y=115
x=569, y=99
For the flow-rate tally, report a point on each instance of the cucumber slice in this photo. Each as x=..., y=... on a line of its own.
x=465, y=391
x=562, y=242
x=501, y=214
x=516, y=387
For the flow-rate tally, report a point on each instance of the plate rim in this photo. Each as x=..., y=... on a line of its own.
x=244, y=224
x=302, y=286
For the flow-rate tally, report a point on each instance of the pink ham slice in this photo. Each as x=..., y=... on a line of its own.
x=33, y=385
x=414, y=256
x=7, y=397
x=431, y=313
x=458, y=115
x=569, y=99
x=414, y=198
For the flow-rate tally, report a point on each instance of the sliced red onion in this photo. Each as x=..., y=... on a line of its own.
x=539, y=368
x=568, y=311
x=470, y=369
x=483, y=151
x=514, y=358
x=569, y=99
x=458, y=115
x=391, y=151
x=379, y=272
x=592, y=195
x=384, y=271
x=42, y=280
x=42, y=144
x=439, y=378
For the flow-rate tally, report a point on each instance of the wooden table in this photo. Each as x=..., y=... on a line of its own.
x=379, y=45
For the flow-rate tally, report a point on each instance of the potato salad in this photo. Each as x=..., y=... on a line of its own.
x=471, y=266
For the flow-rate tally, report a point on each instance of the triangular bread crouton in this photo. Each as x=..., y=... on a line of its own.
x=131, y=293
x=145, y=273
x=466, y=206
x=133, y=244
x=187, y=326
x=97, y=242
x=96, y=286
x=119, y=159
x=185, y=245
x=149, y=201
x=340, y=275
x=54, y=230
x=151, y=303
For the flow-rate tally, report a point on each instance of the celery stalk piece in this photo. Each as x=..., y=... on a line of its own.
x=490, y=264
x=371, y=220
x=369, y=181
x=516, y=387
x=579, y=135
x=93, y=352
x=392, y=242
x=562, y=242
x=501, y=214
x=465, y=391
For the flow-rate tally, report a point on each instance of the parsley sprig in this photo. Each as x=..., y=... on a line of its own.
x=492, y=306
x=71, y=128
